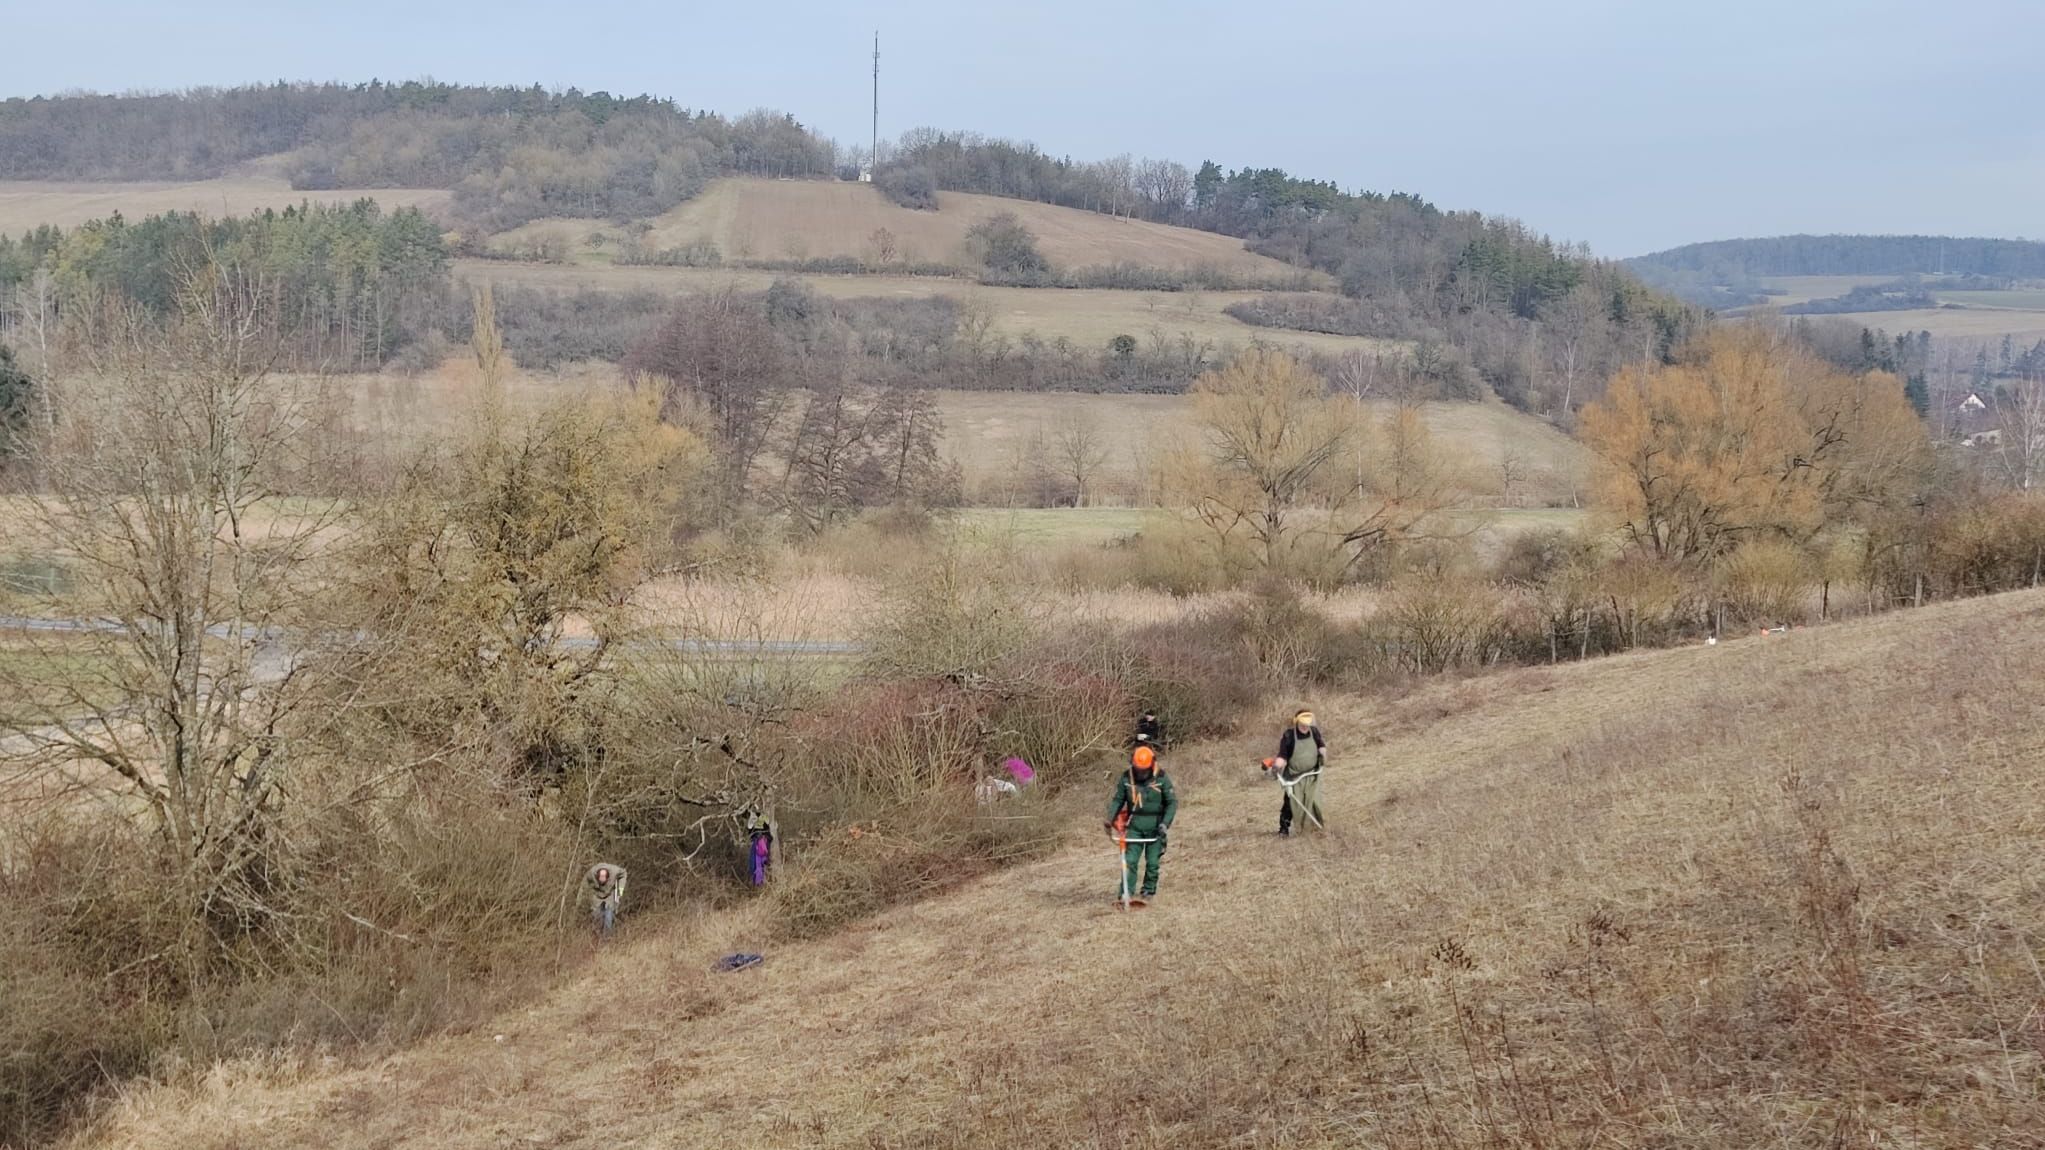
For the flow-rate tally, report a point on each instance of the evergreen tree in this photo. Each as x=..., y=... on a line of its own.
x=1918, y=393
x=17, y=391
x=1206, y=184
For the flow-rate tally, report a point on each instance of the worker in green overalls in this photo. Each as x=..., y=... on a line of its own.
x=1142, y=809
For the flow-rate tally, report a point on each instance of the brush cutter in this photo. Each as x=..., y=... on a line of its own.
x=1271, y=768
x=1123, y=842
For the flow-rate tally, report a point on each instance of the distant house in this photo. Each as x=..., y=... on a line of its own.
x=1972, y=420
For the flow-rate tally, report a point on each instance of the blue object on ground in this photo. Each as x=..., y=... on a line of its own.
x=731, y=962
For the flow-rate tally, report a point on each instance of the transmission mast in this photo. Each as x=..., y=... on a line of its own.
x=873, y=153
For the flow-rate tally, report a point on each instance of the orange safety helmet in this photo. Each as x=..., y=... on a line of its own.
x=1143, y=759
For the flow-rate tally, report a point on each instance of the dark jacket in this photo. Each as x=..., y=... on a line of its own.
x=1149, y=732
x=1289, y=741
x=1151, y=806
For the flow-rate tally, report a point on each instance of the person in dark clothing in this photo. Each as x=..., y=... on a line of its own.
x=1302, y=753
x=1139, y=817
x=1149, y=732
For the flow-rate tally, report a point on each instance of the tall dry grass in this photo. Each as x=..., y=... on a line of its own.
x=1781, y=892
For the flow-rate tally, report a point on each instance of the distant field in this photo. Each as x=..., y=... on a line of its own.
x=1065, y=526
x=989, y=431
x=2026, y=299
x=1096, y=525
x=1803, y=289
x=1981, y=314
x=27, y=204
x=1958, y=323
x=811, y=219
x=1089, y=318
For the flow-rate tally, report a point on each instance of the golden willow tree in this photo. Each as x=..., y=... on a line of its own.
x=1748, y=437
x=1288, y=479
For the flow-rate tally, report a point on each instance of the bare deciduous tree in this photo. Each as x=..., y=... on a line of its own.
x=1512, y=475
x=830, y=469
x=2020, y=442
x=854, y=447
x=1079, y=451
x=165, y=477
x=1297, y=475
x=716, y=359
x=1573, y=321
x=908, y=434
x=1165, y=186
x=885, y=247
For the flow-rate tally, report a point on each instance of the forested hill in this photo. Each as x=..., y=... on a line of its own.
x=1477, y=284
x=1486, y=300
x=510, y=154
x=1849, y=255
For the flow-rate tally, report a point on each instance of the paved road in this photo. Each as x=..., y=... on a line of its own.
x=573, y=642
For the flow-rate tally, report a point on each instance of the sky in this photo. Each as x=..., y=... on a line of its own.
x=1631, y=125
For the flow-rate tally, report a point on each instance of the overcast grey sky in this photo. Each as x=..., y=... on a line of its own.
x=1630, y=124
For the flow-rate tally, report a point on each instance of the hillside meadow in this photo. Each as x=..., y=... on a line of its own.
x=1766, y=893
x=757, y=219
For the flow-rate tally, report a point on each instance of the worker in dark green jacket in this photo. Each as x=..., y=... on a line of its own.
x=1139, y=817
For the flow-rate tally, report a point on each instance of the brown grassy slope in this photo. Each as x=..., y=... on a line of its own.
x=27, y=204
x=813, y=219
x=1782, y=891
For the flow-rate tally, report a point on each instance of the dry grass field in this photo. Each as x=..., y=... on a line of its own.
x=1969, y=324
x=757, y=219
x=1980, y=316
x=2018, y=299
x=1782, y=892
x=1087, y=317
x=1803, y=289
x=27, y=204
x=988, y=432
